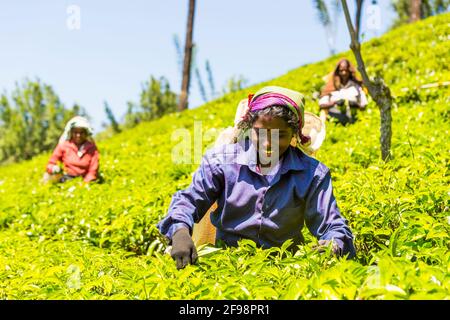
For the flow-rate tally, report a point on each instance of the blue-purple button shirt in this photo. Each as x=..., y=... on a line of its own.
x=249, y=207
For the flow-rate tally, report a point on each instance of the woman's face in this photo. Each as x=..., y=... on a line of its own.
x=79, y=136
x=271, y=135
x=344, y=72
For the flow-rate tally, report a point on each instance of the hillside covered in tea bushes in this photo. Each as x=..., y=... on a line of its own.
x=99, y=241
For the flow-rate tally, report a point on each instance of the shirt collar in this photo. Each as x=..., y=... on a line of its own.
x=82, y=149
x=247, y=154
x=294, y=159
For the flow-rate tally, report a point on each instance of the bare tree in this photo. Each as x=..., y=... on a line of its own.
x=415, y=10
x=379, y=92
x=358, y=15
x=187, y=58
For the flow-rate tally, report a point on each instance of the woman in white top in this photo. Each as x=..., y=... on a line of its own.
x=342, y=95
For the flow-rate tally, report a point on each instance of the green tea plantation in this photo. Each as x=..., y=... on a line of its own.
x=99, y=241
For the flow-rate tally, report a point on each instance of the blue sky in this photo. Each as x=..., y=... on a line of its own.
x=121, y=43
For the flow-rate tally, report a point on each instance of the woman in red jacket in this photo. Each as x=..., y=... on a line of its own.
x=77, y=152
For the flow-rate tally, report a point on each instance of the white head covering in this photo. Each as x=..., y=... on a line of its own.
x=75, y=122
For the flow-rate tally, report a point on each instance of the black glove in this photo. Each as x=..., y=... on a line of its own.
x=183, y=248
x=323, y=244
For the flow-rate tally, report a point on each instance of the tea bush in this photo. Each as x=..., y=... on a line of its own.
x=99, y=241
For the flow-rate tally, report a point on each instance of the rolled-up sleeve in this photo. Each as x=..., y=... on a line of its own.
x=190, y=205
x=93, y=167
x=55, y=157
x=363, y=98
x=324, y=100
x=323, y=218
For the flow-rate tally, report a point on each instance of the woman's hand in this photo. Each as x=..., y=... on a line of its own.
x=327, y=105
x=323, y=245
x=183, y=248
x=56, y=169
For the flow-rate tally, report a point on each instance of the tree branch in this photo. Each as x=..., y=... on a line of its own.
x=359, y=4
x=379, y=92
x=356, y=47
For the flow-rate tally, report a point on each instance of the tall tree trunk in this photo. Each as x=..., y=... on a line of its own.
x=359, y=4
x=415, y=10
x=187, y=58
x=379, y=92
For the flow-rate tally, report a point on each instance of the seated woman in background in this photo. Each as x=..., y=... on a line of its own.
x=77, y=152
x=342, y=95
